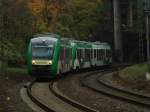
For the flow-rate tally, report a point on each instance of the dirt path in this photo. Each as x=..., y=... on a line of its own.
x=10, y=100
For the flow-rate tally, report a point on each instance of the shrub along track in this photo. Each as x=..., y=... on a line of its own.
x=95, y=82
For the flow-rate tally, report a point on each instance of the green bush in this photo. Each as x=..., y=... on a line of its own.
x=134, y=71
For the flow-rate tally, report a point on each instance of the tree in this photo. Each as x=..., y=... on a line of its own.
x=16, y=27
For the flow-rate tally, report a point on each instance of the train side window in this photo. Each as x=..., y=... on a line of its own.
x=78, y=54
x=110, y=53
x=70, y=49
x=83, y=53
x=64, y=53
x=104, y=53
x=94, y=53
x=68, y=53
x=98, y=54
x=107, y=53
x=102, y=57
x=86, y=54
x=91, y=53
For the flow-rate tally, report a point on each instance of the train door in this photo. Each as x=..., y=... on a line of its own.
x=67, y=58
x=95, y=57
x=60, y=61
x=86, y=58
x=76, y=62
x=70, y=58
x=92, y=57
x=108, y=56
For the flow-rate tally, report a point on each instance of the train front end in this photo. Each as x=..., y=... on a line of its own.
x=42, y=57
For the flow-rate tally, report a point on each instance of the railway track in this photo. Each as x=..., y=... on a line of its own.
x=93, y=82
x=51, y=100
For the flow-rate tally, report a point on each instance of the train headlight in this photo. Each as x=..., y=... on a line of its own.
x=33, y=61
x=50, y=62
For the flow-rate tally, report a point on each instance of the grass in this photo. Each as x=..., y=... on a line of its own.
x=22, y=71
x=134, y=71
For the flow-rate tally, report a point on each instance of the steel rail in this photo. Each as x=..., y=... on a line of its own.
x=115, y=92
x=60, y=96
x=35, y=100
x=71, y=101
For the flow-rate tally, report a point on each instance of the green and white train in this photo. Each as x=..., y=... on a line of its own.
x=50, y=55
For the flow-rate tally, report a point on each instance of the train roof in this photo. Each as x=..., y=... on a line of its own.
x=47, y=35
x=50, y=37
x=40, y=41
x=37, y=39
x=101, y=46
x=85, y=44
